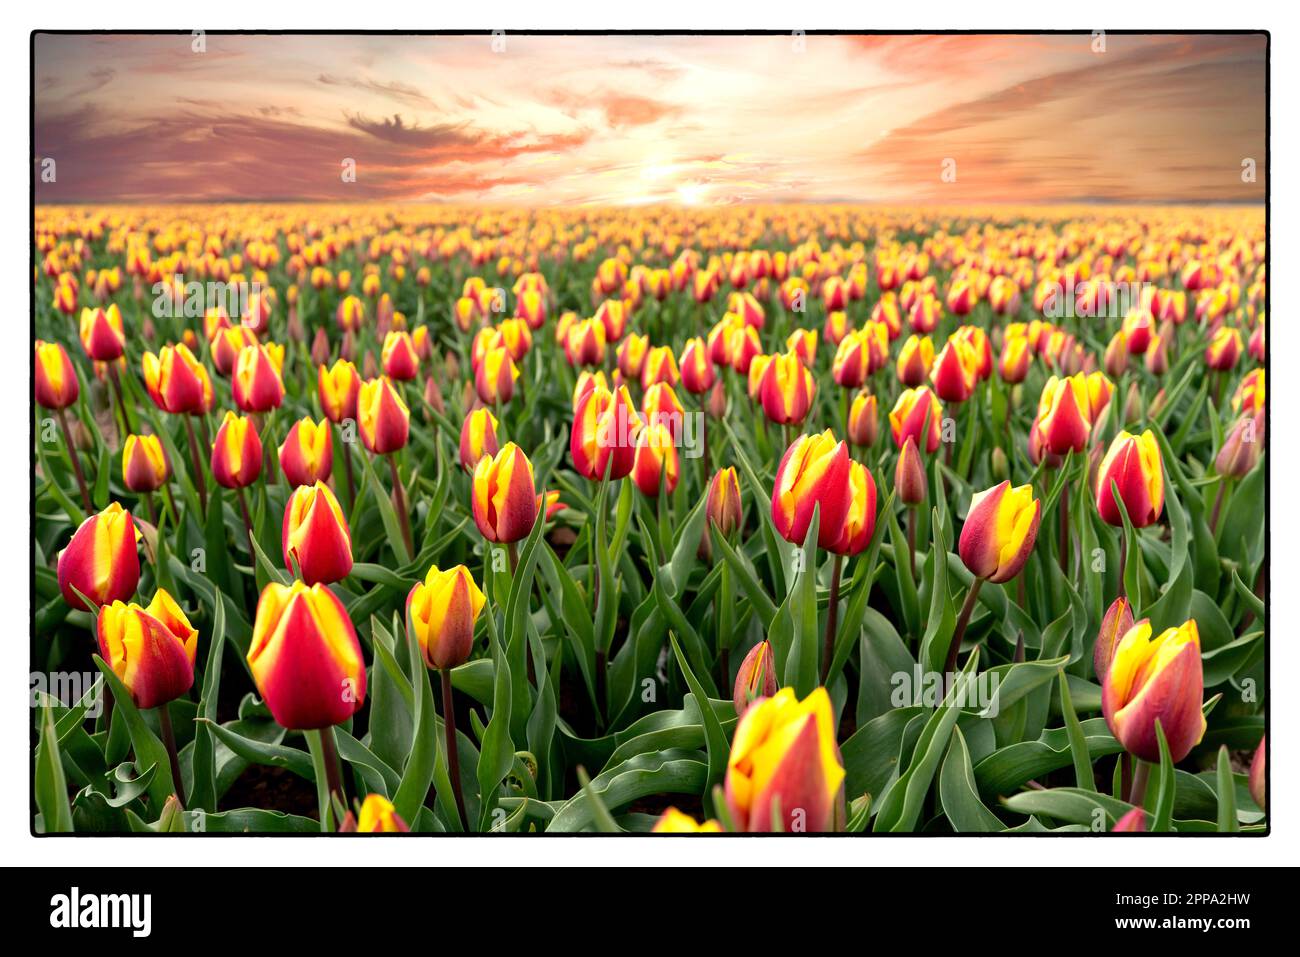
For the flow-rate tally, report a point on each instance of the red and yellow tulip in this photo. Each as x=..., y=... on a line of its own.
x=101, y=560
x=504, y=495
x=384, y=420
x=1152, y=679
x=813, y=472
x=144, y=463
x=999, y=533
x=307, y=453
x=56, y=379
x=605, y=427
x=784, y=772
x=315, y=537
x=150, y=649
x=1133, y=463
x=236, y=452
x=305, y=658
x=443, y=609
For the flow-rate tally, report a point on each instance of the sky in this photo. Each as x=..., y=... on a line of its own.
x=695, y=120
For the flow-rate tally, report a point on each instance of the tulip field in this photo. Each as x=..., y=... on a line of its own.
x=808, y=518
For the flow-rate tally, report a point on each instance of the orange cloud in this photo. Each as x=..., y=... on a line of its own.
x=636, y=119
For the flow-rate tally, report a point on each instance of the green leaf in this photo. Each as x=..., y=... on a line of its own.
x=203, y=789
x=664, y=772
x=1163, y=812
x=715, y=739
x=901, y=805
x=1227, y=789
x=148, y=749
x=801, y=662
x=262, y=752
x=51, y=786
x=958, y=794
x=759, y=600
x=418, y=772
x=1083, y=776
x=387, y=514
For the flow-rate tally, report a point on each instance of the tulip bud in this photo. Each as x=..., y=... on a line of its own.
x=399, y=359
x=315, y=536
x=307, y=454
x=1100, y=390
x=860, y=519
x=605, y=427
x=150, y=649
x=442, y=610
x=655, y=458
x=101, y=560
x=478, y=437
x=814, y=471
x=1157, y=355
x=384, y=421
x=494, y=380
x=999, y=533
x=787, y=390
x=1134, y=822
x=236, y=452
x=756, y=677
x=305, y=658
x=698, y=375
x=1013, y=365
x=999, y=467
x=785, y=763
x=338, y=388
x=1133, y=403
x=176, y=381
x=717, y=405
x=914, y=360
x=1115, y=361
x=723, y=503
x=660, y=366
x=378, y=816
x=1155, y=679
x=1116, y=623
x=673, y=821
x=504, y=496
x=864, y=421
x=56, y=379
x=953, y=372
x=917, y=413
x=1242, y=446
x=102, y=334
x=1224, y=350
x=227, y=344
x=320, y=347
x=144, y=463
x=1133, y=463
x=1063, y=422
x=256, y=385
x=1257, y=779
x=433, y=396
x=909, y=475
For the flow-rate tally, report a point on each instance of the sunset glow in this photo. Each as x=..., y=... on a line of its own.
x=695, y=120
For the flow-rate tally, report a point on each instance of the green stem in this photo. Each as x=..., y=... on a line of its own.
x=832, y=614
x=963, y=618
x=200, y=483
x=399, y=504
x=453, y=755
x=169, y=742
x=76, y=462
x=1141, y=772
